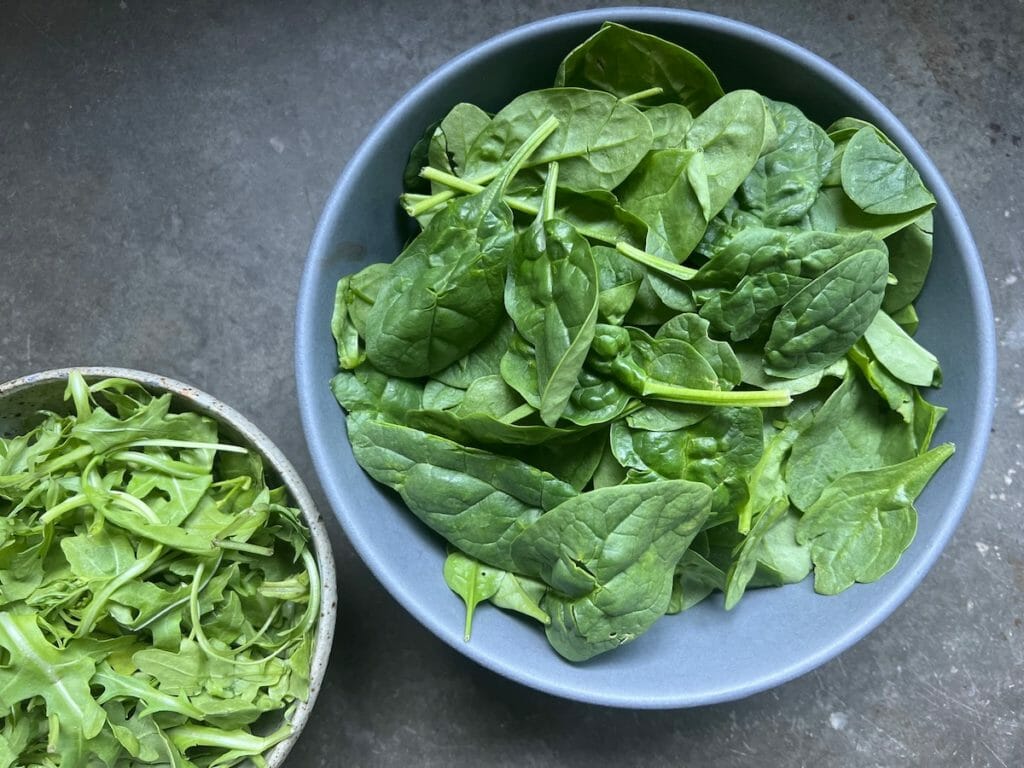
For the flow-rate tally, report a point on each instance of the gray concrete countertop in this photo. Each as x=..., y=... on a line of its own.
x=162, y=166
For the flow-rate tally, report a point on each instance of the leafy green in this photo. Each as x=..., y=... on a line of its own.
x=152, y=585
x=624, y=61
x=651, y=355
x=864, y=521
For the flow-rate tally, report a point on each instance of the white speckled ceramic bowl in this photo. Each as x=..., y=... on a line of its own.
x=707, y=654
x=22, y=399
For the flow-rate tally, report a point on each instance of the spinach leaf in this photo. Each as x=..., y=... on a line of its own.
x=863, y=521
x=598, y=141
x=718, y=451
x=729, y=137
x=670, y=123
x=784, y=182
x=910, y=256
x=843, y=214
x=822, y=321
x=610, y=557
x=471, y=580
x=695, y=579
x=449, y=146
x=879, y=179
x=551, y=294
x=618, y=282
x=624, y=61
x=523, y=595
x=661, y=194
x=848, y=433
x=451, y=271
x=903, y=357
x=479, y=501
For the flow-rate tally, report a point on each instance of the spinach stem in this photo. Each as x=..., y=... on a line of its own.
x=469, y=187
x=515, y=203
x=641, y=95
x=761, y=398
x=666, y=267
x=550, y=185
x=516, y=414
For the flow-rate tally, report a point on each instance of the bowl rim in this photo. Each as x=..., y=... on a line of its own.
x=208, y=405
x=306, y=331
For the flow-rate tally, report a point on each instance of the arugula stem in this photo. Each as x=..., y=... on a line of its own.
x=761, y=398
x=241, y=546
x=159, y=443
x=79, y=393
x=666, y=267
x=62, y=461
x=185, y=736
x=641, y=95
x=100, y=598
x=73, y=502
x=170, y=467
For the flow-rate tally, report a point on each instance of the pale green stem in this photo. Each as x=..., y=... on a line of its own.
x=641, y=95
x=550, y=186
x=678, y=271
x=761, y=398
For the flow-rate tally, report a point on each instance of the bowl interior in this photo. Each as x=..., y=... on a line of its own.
x=706, y=654
x=22, y=400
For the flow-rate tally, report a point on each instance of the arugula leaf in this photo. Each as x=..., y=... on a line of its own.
x=125, y=529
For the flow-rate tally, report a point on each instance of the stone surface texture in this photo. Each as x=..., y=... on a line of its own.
x=162, y=166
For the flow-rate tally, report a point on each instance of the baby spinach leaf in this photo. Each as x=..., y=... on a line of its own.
x=450, y=143
x=452, y=271
x=848, y=433
x=784, y=182
x=903, y=357
x=598, y=141
x=729, y=137
x=745, y=564
x=482, y=360
x=610, y=555
x=551, y=294
x=781, y=559
x=820, y=323
x=897, y=394
x=618, y=282
x=670, y=123
x=863, y=521
x=717, y=451
x=910, y=257
x=523, y=595
x=843, y=215
x=353, y=298
x=693, y=329
x=879, y=178
x=660, y=193
x=695, y=579
x=479, y=501
x=473, y=581
x=624, y=61
x=742, y=312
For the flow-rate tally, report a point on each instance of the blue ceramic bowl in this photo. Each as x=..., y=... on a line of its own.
x=705, y=655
